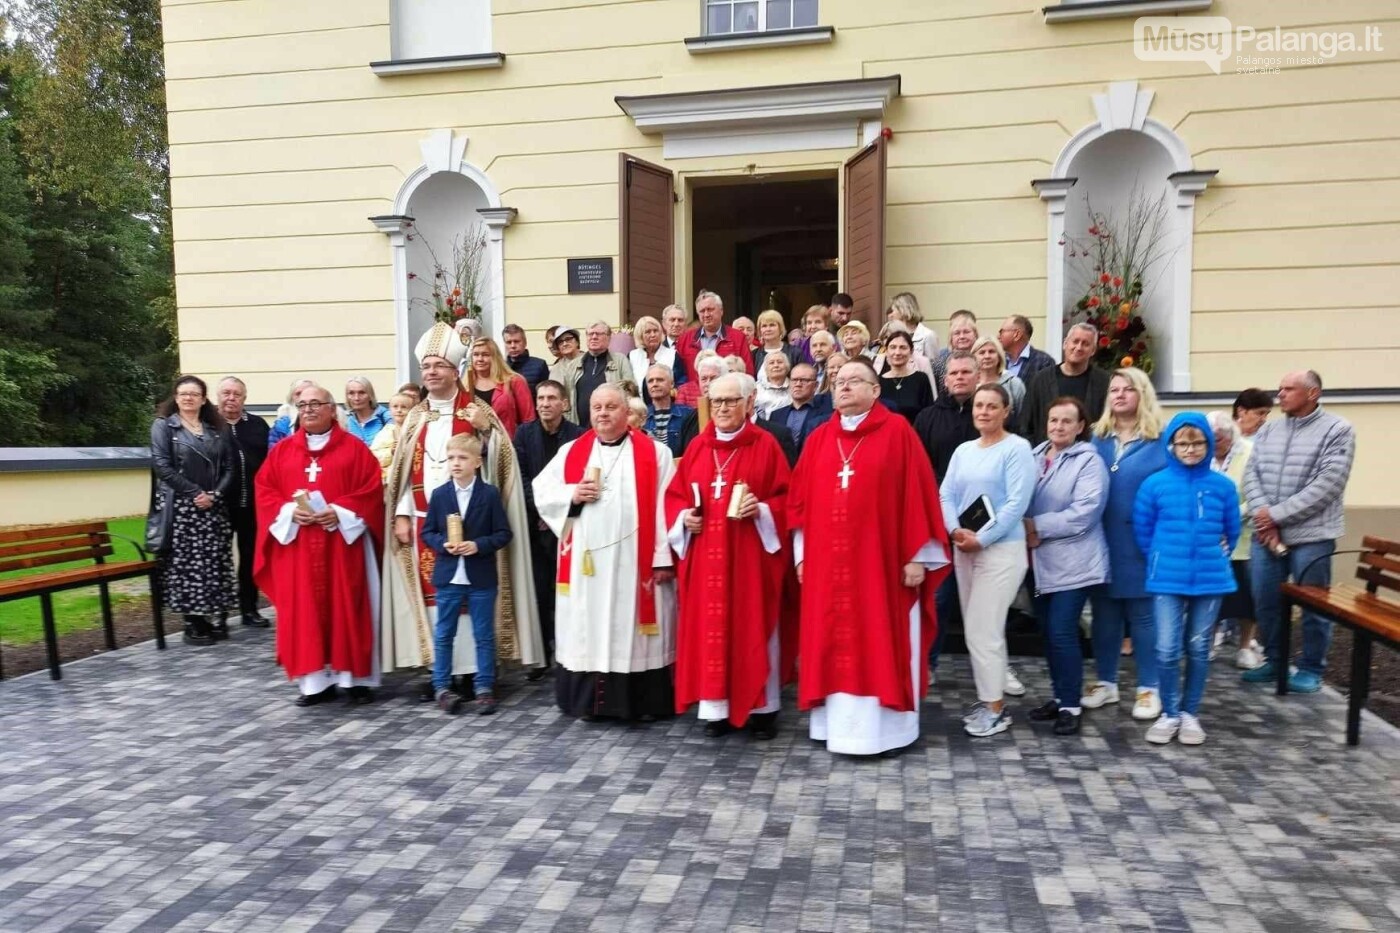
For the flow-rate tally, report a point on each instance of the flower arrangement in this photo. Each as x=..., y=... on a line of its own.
x=454, y=291
x=1118, y=255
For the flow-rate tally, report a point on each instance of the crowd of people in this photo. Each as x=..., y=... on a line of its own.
x=720, y=509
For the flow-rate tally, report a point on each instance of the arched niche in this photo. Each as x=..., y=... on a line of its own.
x=442, y=202
x=1101, y=166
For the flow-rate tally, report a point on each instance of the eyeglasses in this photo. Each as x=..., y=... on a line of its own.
x=844, y=383
x=311, y=406
x=725, y=402
x=800, y=379
x=1189, y=445
x=189, y=395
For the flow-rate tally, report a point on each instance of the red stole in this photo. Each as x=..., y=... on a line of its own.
x=426, y=557
x=644, y=463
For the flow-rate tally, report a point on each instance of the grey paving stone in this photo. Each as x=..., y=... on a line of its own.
x=182, y=790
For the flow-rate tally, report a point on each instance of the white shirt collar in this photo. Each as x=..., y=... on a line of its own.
x=317, y=441
x=462, y=490
x=441, y=404
x=851, y=422
x=729, y=436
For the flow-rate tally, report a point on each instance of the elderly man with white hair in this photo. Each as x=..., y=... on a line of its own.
x=604, y=496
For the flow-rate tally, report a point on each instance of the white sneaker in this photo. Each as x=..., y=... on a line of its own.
x=1247, y=659
x=1101, y=695
x=1191, y=732
x=1163, y=730
x=988, y=723
x=1014, y=687
x=973, y=711
x=1148, y=705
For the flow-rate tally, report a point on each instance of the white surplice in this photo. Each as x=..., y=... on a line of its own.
x=859, y=725
x=595, y=622
x=352, y=529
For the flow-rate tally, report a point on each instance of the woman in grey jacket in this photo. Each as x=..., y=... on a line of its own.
x=1069, y=554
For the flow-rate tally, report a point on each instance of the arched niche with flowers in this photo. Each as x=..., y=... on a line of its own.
x=1124, y=159
x=441, y=206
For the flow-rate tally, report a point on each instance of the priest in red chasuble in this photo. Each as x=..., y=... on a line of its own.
x=419, y=467
x=870, y=549
x=726, y=515
x=317, y=559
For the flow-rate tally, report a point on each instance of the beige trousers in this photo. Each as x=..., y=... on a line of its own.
x=987, y=583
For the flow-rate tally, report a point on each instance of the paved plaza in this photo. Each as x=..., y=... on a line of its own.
x=184, y=791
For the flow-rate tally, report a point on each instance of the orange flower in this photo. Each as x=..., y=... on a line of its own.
x=1125, y=308
x=1126, y=361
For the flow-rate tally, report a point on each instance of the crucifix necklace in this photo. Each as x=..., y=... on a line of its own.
x=719, y=483
x=313, y=471
x=846, y=471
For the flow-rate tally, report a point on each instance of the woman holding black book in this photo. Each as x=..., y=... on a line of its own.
x=985, y=493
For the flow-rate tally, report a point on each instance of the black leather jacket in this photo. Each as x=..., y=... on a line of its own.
x=190, y=464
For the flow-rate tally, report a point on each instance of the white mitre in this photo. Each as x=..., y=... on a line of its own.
x=442, y=341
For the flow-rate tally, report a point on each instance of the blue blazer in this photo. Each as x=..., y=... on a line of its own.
x=819, y=412
x=484, y=523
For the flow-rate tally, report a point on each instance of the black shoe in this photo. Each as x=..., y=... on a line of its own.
x=220, y=628
x=536, y=674
x=763, y=726
x=1066, y=723
x=315, y=699
x=255, y=620
x=197, y=631
x=449, y=702
x=486, y=704
x=1046, y=712
x=718, y=727
x=360, y=696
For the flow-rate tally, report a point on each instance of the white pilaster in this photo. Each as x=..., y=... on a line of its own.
x=1053, y=192
x=493, y=311
x=397, y=227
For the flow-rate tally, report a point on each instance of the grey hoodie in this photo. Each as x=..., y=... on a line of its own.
x=1068, y=510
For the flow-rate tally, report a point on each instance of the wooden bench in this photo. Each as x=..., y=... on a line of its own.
x=63, y=544
x=1359, y=608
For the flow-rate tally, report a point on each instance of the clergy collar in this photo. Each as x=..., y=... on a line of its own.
x=851, y=422
x=317, y=441
x=728, y=435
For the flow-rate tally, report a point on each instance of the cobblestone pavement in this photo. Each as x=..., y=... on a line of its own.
x=183, y=791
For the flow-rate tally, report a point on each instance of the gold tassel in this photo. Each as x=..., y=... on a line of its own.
x=588, y=563
x=650, y=628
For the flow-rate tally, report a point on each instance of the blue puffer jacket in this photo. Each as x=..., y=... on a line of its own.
x=1126, y=475
x=1187, y=520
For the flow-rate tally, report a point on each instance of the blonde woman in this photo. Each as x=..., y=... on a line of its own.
x=651, y=349
x=991, y=367
x=492, y=381
x=771, y=330
x=904, y=308
x=1126, y=437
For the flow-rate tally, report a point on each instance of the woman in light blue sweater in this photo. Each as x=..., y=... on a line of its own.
x=990, y=562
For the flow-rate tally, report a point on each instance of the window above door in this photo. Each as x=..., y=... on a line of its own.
x=741, y=24
x=439, y=35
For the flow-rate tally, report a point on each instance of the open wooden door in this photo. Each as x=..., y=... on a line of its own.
x=647, y=233
x=863, y=263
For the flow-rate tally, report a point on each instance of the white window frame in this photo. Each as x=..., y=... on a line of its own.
x=762, y=18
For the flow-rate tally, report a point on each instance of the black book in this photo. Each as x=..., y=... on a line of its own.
x=978, y=515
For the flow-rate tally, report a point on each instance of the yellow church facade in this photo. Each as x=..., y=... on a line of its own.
x=613, y=156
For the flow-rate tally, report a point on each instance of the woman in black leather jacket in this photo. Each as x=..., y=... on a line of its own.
x=192, y=456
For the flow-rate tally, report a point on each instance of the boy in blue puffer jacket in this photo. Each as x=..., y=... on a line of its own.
x=1186, y=519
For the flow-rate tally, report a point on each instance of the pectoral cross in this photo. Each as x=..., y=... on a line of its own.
x=718, y=486
x=845, y=474
x=313, y=471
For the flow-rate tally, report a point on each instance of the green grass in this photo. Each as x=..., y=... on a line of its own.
x=21, y=622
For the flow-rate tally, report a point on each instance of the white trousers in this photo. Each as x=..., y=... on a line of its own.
x=987, y=583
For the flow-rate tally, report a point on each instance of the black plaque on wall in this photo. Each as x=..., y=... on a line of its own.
x=590, y=275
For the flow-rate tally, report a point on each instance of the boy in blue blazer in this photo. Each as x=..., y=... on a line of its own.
x=465, y=572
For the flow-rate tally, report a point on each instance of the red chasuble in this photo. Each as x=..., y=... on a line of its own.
x=730, y=587
x=317, y=582
x=855, y=606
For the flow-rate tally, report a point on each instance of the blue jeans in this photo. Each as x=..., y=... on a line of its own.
x=481, y=603
x=1059, y=620
x=1111, y=615
x=947, y=607
x=1267, y=574
x=1188, y=620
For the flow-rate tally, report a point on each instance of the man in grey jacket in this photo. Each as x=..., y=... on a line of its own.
x=1293, y=489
